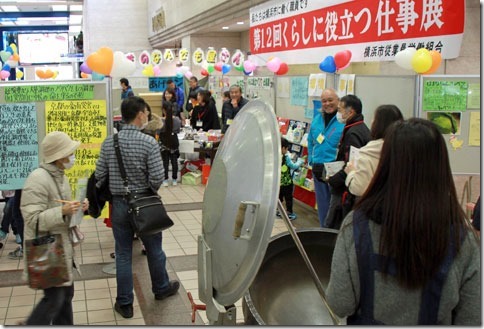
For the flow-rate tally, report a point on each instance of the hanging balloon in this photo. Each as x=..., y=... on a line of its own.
x=183, y=55
x=156, y=71
x=342, y=59
x=204, y=72
x=422, y=61
x=188, y=75
x=6, y=67
x=144, y=58
x=239, y=68
x=156, y=57
x=249, y=66
x=436, y=60
x=179, y=74
x=19, y=74
x=328, y=65
x=4, y=75
x=218, y=66
x=198, y=57
x=210, y=68
x=13, y=47
x=274, y=64
x=5, y=55
x=224, y=56
x=122, y=66
x=148, y=71
x=84, y=68
x=85, y=75
x=283, y=69
x=404, y=58
x=97, y=76
x=226, y=68
x=247, y=73
x=101, y=61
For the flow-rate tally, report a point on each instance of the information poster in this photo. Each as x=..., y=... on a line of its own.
x=84, y=121
x=283, y=87
x=299, y=91
x=445, y=95
x=19, y=146
x=475, y=129
x=38, y=93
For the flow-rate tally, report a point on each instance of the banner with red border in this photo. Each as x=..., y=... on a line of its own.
x=306, y=31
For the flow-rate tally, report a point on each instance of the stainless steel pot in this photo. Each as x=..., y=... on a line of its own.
x=283, y=292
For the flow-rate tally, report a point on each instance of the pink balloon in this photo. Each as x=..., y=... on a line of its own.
x=249, y=66
x=156, y=71
x=4, y=75
x=274, y=64
x=188, y=74
x=218, y=66
x=342, y=59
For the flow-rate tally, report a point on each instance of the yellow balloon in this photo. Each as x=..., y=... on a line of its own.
x=14, y=48
x=56, y=73
x=19, y=74
x=421, y=60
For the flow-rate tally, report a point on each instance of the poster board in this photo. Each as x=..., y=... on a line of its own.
x=29, y=110
x=453, y=103
x=376, y=90
x=292, y=100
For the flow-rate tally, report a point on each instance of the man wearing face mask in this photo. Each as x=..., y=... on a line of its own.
x=323, y=139
x=141, y=157
x=356, y=134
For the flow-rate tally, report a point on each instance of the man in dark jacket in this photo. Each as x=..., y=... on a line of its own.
x=231, y=107
x=356, y=134
x=194, y=88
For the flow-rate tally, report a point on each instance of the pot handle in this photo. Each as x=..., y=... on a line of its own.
x=240, y=219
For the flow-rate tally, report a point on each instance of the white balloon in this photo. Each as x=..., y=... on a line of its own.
x=184, y=69
x=12, y=63
x=404, y=58
x=122, y=67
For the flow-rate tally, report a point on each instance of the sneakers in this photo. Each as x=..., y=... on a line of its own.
x=126, y=311
x=18, y=239
x=173, y=287
x=174, y=182
x=16, y=254
x=165, y=183
x=3, y=235
x=292, y=216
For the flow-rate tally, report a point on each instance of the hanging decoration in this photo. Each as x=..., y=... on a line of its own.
x=144, y=58
x=183, y=55
x=156, y=57
x=211, y=55
x=198, y=57
x=169, y=55
x=122, y=66
x=224, y=56
x=237, y=60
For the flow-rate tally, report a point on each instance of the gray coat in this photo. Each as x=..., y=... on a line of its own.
x=460, y=303
x=37, y=204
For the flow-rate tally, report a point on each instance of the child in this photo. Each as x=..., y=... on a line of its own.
x=169, y=141
x=286, y=187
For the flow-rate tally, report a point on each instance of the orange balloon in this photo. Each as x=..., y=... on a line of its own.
x=436, y=60
x=84, y=75
x=101, y=61
x=40, y=74
x=48, y=74
x=15, y=57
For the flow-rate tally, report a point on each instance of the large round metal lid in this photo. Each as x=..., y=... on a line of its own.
x=240, y=200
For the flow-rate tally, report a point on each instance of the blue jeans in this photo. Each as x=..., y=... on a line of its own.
x=323, y=195
x=54, y=308
x=123, y=238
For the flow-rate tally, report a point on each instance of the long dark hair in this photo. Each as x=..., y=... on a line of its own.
x=412, y=195
x=167, y=108
x=172, y=92
x=385, y=115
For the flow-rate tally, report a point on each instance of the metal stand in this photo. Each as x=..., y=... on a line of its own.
x=314, y=275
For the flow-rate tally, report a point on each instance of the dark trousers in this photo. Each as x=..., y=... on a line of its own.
x=18, y=220
x=54, y=308
x=285, y=192
x=8, y=219
x=167, y=156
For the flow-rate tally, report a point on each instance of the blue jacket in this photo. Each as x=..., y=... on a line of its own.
x=327, y=150
x=180, y=97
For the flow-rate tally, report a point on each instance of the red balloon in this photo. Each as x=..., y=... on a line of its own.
x=342, y=59
x=218, y=66
x=282, y=69
x=204, y=72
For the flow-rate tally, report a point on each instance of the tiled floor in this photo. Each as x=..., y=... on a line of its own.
x=94, y=299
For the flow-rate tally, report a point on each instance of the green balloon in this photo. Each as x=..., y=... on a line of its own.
x=210, y=68
x=240, y=68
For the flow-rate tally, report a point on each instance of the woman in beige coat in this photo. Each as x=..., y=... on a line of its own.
x=359, y=176
x=44, y=186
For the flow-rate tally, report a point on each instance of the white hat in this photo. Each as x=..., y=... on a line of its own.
x=57, y=145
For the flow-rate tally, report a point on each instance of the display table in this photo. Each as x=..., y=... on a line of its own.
x=189, y=146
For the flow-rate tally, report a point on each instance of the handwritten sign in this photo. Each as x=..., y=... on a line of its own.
x=84, y=121
x=259, y=82
x=39, y=93
x=159, y=83
x=19, y=153
x=445, y=95
x=299, y=91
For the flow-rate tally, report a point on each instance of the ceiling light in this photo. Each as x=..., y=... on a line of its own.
x=225, y=27
x=240, y=23
x=59, y=7
x=10, y=8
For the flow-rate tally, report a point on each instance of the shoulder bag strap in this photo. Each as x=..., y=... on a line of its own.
x=120, y=162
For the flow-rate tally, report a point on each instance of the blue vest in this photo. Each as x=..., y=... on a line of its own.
x=368, y=262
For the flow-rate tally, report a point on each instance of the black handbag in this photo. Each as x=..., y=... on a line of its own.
x=148, y=214
x=319, y=172
x=46, y=261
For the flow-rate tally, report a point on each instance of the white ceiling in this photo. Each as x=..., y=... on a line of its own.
x=73, y=20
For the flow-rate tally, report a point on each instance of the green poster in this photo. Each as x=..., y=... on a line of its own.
x=474, y=97
x=38, y=93
x=445, y=95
